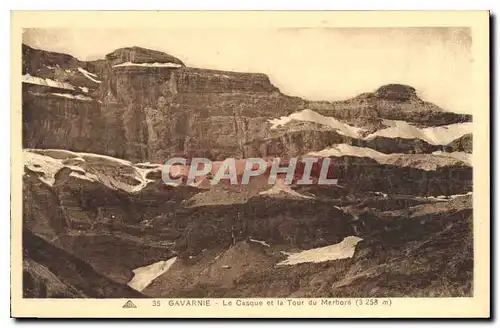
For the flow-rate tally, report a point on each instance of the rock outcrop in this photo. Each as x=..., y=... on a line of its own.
x=391, y=102
x=140, y=55
x=463, y=143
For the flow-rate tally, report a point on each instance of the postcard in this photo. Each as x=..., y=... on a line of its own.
x=251, y=164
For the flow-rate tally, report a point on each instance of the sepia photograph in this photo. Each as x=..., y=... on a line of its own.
x=200, y=164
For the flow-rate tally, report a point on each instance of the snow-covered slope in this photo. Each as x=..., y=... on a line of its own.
x=45, y=165
x=311, y=116
x=144, y=276
x=342, y=250
x=90, y=76
x=46, y=82
x=348, y=150
x=439, y=135
x=128, y=64
x=426, y=162
x=263, y=243
x=285, y=189
x=112, y=172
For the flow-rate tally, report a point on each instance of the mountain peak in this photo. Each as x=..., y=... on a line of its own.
x=401, y=92
x=141, y=55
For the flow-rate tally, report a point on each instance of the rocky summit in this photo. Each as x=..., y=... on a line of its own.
x=99, y=222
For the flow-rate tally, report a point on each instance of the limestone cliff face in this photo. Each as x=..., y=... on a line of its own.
x=188, y=111
x=145, y=105
x=52, y=119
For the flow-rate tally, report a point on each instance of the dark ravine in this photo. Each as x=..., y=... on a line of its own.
x=50, y=272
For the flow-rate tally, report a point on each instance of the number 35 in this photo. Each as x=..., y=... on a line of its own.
x=156, y=303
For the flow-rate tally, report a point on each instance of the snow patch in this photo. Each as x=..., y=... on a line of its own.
x=436, y=135
x=260, y=242
x=83, y=176
x=308, y=115
x=428, y=162
x=50, y=161
x=70, y=96
x=279, y=187
x=46, y=82
x=48, y=166
x=144, y=276
x=342, y=250
x=84, y=89
x=88, y=75
x=126, y=64
x=348, y=150
x=444, y=198
x=379, y=193
x=99, y=157
x=461, y=195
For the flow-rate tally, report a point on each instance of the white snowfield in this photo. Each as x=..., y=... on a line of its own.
x=436, y=135
x=50, y=161
x=144, y=276
x=348, y=150
x=422, y=161
x=84, y=89
x=439, y=135
x=342, y=250
x=91, y=76
x=171, y=65
x=46, y=165
x=308, y=115
x=70, y=96
x=46, y=82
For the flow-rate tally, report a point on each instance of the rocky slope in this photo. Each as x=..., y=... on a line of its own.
x=118, y=217
x=422, y=256
x=397, y=223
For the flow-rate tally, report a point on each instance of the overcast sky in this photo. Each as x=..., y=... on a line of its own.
x=313, y=63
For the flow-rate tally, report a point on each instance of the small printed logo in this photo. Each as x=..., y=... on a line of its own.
x=129, y=305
